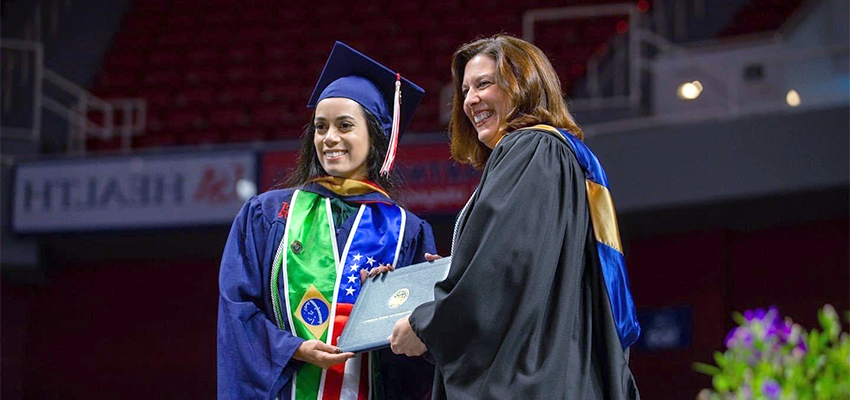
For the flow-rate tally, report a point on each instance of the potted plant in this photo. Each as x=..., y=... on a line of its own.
x=768, y=357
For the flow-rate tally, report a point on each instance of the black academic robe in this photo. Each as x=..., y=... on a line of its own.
x=523, y=312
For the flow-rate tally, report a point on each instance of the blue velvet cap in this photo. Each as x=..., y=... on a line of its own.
x=351, y=74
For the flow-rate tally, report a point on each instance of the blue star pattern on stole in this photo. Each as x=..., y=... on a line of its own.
x=349, y=287
x=375, y=242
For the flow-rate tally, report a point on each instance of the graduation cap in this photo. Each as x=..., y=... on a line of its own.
x=351, y=74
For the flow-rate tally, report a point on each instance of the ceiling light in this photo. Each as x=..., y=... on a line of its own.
x=689, y=90
x=792, y=98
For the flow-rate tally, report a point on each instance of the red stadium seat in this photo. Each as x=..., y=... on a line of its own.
x=241, y=73
x=290, y=131
x=177, y=39
x=125, y=61
x=166, y=59
x=215, y=37
x=279, y=51
x=228, y=117
x=204, y=136
x=218, y=19
x=255, y=34
x=279, y=71
x=240, y=53
x=203, y=56
x=271, y=115
x=182, y=23
x=204, y=76
x=180, y=119
x=167, y=77
x=98, y=144
x=240, y=93
x=118, y=79
x=196, y=96
x=154, y=140
x=158, y=97
x=246, y=134
x=279, y=90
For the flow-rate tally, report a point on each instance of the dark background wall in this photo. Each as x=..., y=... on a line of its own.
x=668, y=166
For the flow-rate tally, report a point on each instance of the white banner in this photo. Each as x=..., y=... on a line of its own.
x=131, y=192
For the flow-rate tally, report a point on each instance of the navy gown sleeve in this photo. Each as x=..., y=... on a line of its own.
x=419, y=240
x=254, y=356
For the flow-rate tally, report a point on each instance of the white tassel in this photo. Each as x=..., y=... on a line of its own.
x=389, y=160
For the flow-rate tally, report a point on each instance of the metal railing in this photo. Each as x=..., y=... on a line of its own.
x=130, y=112
x=125, y=117
x=625, y=53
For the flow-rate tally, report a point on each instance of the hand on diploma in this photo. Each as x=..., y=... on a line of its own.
x=432, y=257
x=320, y=354
x=404, y=341
x=380, y=269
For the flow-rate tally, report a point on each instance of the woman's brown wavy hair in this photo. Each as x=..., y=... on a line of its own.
x=527, y=76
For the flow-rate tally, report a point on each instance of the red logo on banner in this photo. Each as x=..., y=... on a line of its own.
x=218, y=185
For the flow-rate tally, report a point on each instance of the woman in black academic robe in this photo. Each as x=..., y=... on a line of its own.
x=536, y=304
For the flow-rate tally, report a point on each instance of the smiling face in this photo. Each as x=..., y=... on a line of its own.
x=485, y=103
x=342, y=138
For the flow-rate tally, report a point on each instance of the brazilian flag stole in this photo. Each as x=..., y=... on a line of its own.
x=319, y=287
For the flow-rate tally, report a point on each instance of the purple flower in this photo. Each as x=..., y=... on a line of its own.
x=779, y=332
x=799, y=351
x=750, y=315
x=745, y=392
x=739, y=336
x=771, y=389
x=730, y=337
x=761, y=315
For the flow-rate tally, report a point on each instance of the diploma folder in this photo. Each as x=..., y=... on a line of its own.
x=386, y=298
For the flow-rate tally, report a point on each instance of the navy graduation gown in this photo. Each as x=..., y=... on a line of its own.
x=254, y=357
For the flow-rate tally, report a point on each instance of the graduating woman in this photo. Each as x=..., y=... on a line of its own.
x=295, y=257
x=536, y=304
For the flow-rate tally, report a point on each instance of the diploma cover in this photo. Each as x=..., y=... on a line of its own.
x=386, y=298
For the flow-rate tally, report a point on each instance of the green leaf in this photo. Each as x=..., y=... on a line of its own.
x=738, y=318
x=707, y=369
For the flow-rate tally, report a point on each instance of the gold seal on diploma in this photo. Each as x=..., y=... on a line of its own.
x=399, y=297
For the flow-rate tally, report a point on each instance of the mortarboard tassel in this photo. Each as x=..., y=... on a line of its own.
x=389, y=160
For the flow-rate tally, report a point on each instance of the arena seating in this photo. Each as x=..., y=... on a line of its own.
x=240, y=71
x=235, y=71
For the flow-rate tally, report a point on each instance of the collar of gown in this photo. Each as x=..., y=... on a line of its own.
x=350, y=190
